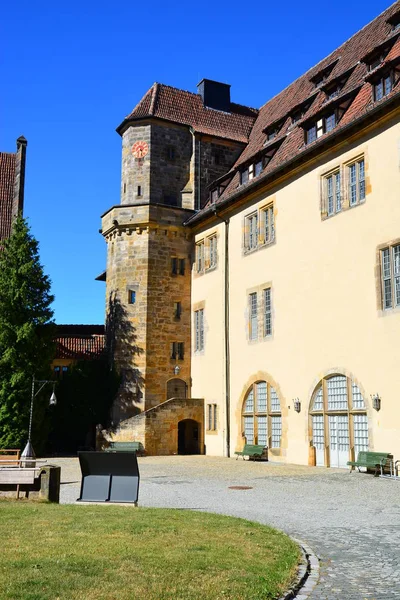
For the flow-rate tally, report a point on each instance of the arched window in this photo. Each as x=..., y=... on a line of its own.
x=176, y=388
x=262, y=419
x=339, y=421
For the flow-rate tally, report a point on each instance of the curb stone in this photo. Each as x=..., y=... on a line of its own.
x=307, y=576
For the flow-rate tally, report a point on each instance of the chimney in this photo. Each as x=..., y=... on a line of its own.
x=19, y=185
x=215, y=94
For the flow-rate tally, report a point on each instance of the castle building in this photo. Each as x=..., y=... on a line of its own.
x=255, y=263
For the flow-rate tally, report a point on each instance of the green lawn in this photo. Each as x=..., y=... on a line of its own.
x=53, y=552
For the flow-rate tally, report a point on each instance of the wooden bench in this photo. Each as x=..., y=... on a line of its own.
x=126, y=447
x=372, y=461
x=10, y=457
x=18, y=476
x=251, y=450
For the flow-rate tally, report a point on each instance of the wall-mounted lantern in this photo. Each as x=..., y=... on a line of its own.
x=177, y=369
x=376, y=401
x=297, y=405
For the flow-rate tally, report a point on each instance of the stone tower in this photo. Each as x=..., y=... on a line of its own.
x=174, y=144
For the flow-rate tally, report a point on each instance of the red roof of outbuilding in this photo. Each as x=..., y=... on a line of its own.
x=7, y=181
x=80, y=342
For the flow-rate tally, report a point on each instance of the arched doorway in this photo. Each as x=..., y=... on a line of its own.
x=261, y=415
x=188, y=437
x=339, y=422
x=176, y=388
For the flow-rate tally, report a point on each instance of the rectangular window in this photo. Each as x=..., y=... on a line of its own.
x=253, y=328
x=311, y=134
x=252, y=231
x=276, y=432
x=57, y=371
x=213, y=250
x=181, y=266
x=333, y=193
x=65, y=370
x=199, y=330
x=200, y=256
x=244, y=176
x=131, y=297
x=174, y=266
x=177, y=350
x=268, y=224
x=383, y=87
x=390, y=266
x=251, y=171
x=356, y=182
x=177, y=310
x=211, y=417
x=262, y=430
x=139, y=190
x=258, y=167
x=267, y=312
x=330, y=122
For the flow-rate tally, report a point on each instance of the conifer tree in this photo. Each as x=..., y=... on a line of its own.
x=26, y=334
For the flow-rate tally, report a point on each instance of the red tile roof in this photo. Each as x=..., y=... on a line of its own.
x=7, y=181
x=80, y=342
x=347, y=63
x=179, y=106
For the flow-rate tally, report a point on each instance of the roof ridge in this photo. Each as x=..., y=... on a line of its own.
x=331, y=53
x=172, y=87
x=154, y=97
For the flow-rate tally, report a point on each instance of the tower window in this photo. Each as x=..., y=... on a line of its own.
x=177, y=310
x=131, y=296
x=139, y=190
x=171, y=153
x=124, y=188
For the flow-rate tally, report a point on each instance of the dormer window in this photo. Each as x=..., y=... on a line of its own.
x=383, y=87
x=323, y=125
x=214, y=195
x=395, y=21
x=253, y=170
x=375, y=61
x=272, y=130
x=319, y=78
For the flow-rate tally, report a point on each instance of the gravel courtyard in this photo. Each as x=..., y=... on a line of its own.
x=352, y=522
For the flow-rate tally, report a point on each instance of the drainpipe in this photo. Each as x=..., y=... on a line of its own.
x=226, y=335
x=199, y=174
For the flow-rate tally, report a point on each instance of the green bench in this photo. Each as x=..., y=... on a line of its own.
x=372, y=461
x=251, y=450
x=126, y=447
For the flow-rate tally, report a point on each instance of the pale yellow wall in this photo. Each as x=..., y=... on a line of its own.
x=208, y=370
x=326, y=317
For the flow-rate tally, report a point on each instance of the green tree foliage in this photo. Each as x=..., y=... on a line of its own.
x=84, y=400
x=26, y=346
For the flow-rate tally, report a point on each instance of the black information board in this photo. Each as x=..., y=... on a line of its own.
x=109, y=477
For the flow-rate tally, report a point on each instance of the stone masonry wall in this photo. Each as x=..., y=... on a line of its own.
x=157, y=428
x=142, y=240
x=213, y=159
x=163, y=327
x=135, y=172
x=171, y=165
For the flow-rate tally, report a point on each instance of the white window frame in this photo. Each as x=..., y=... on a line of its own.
x=251, y=231
x=212, y=247
x=253, y=316
x=267, y=316
x=333, y=192
x=212, y=417
x=199, y=330
x=390, y=276
x=200, y=255
x=356, y=185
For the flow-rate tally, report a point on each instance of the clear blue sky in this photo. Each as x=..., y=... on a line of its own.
x=72, y=70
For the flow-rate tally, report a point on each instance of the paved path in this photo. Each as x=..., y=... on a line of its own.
x=351, y=521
